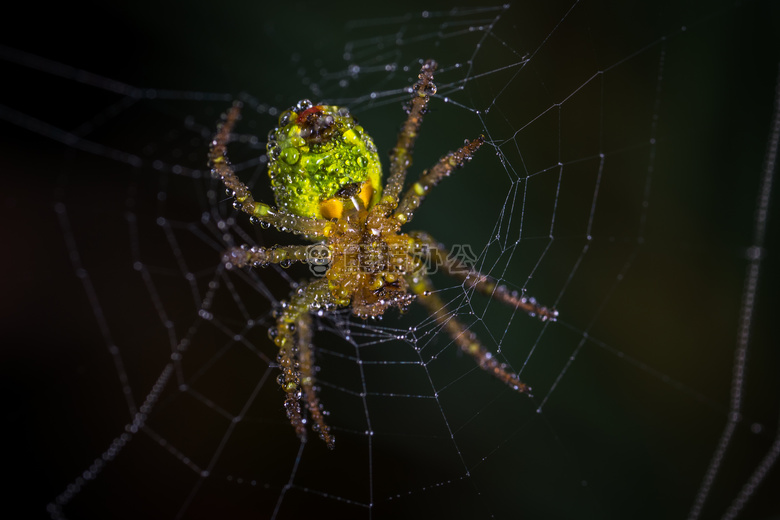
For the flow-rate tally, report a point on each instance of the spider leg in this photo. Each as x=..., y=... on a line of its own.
x=401, y=156
x=430, y=178
x=292, y=334
x=466, y=340
x=306, y=361
x=257, y=256
x=243, y=200
x=483, y=283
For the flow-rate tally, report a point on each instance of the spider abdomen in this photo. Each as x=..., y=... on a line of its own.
x=314, y=154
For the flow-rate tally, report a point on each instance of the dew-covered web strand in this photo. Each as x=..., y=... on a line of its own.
x=526, y=58
x=445, y=420
x=75, y=138
x=67, y=138
x=97, y=309
x=755, y=255
x=138, y=415
x=55, y=68
x=638, y=243
x=767, y=464
x=235, y=420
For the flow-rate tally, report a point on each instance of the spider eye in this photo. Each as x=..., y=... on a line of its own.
x=316, y=126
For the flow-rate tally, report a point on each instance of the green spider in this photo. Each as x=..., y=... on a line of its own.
x=326, y=178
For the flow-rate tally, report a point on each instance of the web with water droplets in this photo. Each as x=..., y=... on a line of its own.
x=625, y=180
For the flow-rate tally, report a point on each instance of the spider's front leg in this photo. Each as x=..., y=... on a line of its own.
x=466, y=340
x=292, y=334
x=242, y=197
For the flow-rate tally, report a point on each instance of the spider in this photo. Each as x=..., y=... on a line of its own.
x=326, y=178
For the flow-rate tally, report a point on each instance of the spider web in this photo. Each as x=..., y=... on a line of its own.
x=626, y=181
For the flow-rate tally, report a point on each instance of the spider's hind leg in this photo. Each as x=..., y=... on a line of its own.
x=483, y=283
x=466, y=340
x=292, y=334
x=306, y=360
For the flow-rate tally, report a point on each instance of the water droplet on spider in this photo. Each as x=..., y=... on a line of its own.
x=290, y=155
x=264, y=224
x=430, y=89
x=304, y=104
x=284, y=119
x=286, y=263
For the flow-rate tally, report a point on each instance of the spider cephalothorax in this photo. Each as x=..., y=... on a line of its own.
x=326, y=178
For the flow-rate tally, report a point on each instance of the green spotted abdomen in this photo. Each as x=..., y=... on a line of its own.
x=316, y=153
